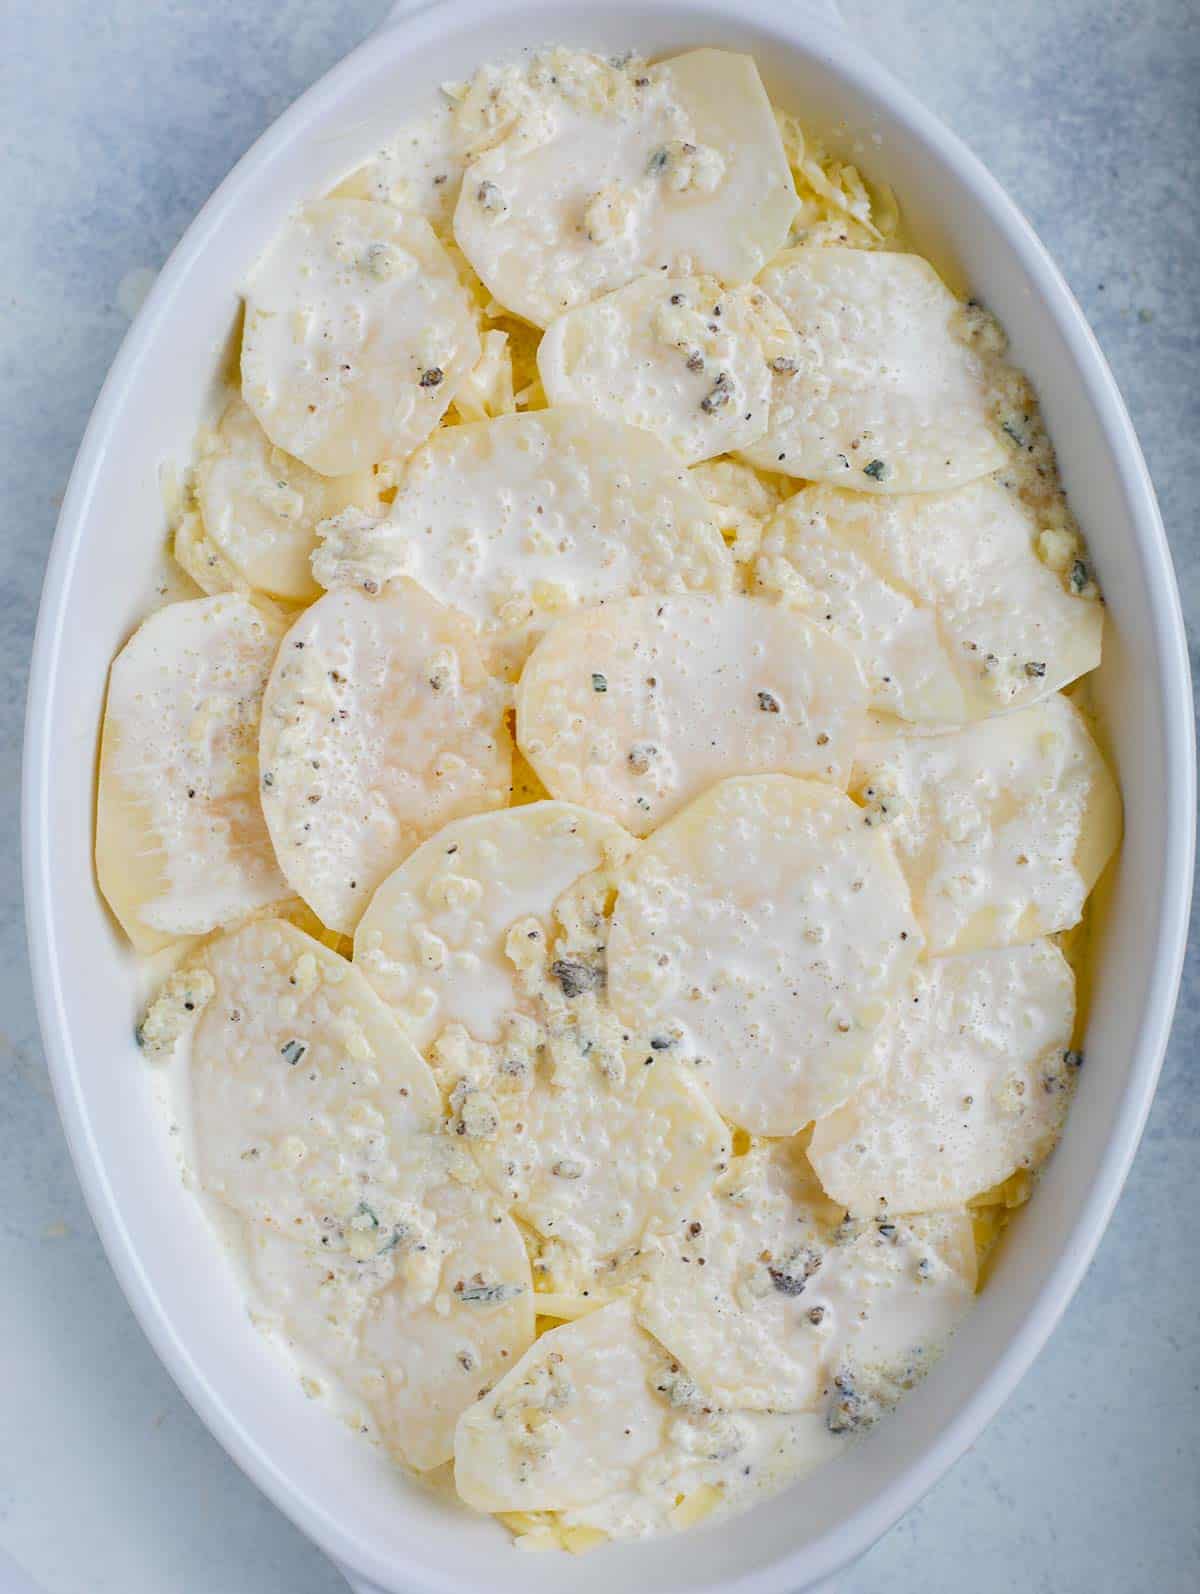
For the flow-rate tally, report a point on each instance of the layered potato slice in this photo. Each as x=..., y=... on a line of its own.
x=740, y=1319
x=765, y=1301
x=309, y=1103
x=571, y=1423
x=882, y=393
x=941, y=596
x=314, y=1120
x=611, y=171
x=261, y=507
x=599, y=1423
x=181, y=846
x=976, y=1081
x=358, y=332
x=514, y=520
x=765, y=928
x=433, y=942
x=1001, y=828
x=636, y=707
x=595, y=1158
x=420, y=1328
x=681, y=357
x=380, y=725
x=419, y=171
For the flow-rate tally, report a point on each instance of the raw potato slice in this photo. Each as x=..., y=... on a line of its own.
x=572, y=1421
x=1001, y=828
x=181, y=847
x=742, y=1457
x=678, y=356
x=432, y=942
x=308, y=1100
x=612, y=173
x=770, y=928
x=942, y=596
x=261, y=507
x=419, y=172
x=731, y=1294
x=595, y=1163
x=358, y=332
x=199, y=557
x=379, y=726
x=637, y=707
x=975, y=1084
x=885, y=396
x=514, y=520
x=889, y=1294
x=417, y=1334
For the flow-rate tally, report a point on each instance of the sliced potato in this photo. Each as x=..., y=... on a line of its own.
x=739, y=1458
x=570, y=1423
x=181, y=847
x=1001, y=828
x=358, y=333
x=261, y=507
x=769, y=927
x=636, y=707
x=890, y=1292
x=418, y=1331
x=419, y=172
x=729, y=1296
x=308, y=1100
x=515, y=520
x=976, y=1080
x=880, y=392
x=681, y=357
x=942, y=597
x=379, y=726
x=432, y=942
x=198, y=556
x=612, y=173
x=594, y=1161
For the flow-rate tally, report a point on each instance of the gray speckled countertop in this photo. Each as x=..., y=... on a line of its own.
x=120, y=118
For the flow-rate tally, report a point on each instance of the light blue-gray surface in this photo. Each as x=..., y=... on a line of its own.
x=119, y=117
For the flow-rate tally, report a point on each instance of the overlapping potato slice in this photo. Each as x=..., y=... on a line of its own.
x=616, y=170
x=729, y=1294
x=433, y=941
x=881, y=393
x=308, y=1100
x=768, y=928
x=514, y=520
x=713, y=1465
x=419, y=172
x=570, y=1423
x=379, y=726
x=358, y=331
x=636, y=707
x=417, y=1330
x=261, y=507
x=976, y=1081
x=743, y=500
x=593, y=1157
x=681, y=357
x=181, y=847
x=1001, y=828
x=598, y=1422
x=893, y=1290
x=764, y=1302
x=942, y=597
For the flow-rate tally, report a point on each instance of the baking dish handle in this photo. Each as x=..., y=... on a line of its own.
x=826, y=11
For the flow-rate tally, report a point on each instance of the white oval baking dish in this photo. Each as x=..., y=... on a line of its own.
x=384, y=1534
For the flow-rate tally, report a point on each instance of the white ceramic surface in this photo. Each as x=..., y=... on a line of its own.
x=329, y=1483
